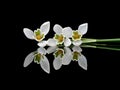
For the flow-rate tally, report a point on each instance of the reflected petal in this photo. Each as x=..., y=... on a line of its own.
x=77, y=48
x=82, y=62
x=45, y=27
x=41, y=50
x=83, y=28
x=28, y=59
x=57, y=63
x=44, y=63
x=28, y=33
x=67, y=57
x=51, y=49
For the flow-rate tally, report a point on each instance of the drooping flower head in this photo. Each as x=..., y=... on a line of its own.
x=77, y=34
x=62, y=36
x=38, y=34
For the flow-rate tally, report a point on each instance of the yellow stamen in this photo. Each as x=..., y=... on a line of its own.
x=38, y=35
x=59, y=52
x=59, y=38
x=76, y=35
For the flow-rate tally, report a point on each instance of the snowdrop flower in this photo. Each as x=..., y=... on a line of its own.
x=38, y=34
x=39, y=58
x=61, y=56
x=77, y=35
x=77, y=56
x=62, y=35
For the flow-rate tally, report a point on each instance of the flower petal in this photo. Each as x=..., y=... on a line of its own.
x=77, y=43
x=82, y=62
x=41, y=50
x=57, y=29
x=45, y=27
x=77, y=48
x=51, y=49
x=42, y=43
x=28, y=33
x=57, y=63
x=67, y=57
x=28, y=59
x=51, y=42
x=45, y=64
x=83, y=28
x=67, y=32
x=67, y=42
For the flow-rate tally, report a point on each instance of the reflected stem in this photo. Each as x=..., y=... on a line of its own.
x=88, y=40
x=101, y=47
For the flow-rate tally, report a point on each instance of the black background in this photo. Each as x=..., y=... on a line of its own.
x=103, y=21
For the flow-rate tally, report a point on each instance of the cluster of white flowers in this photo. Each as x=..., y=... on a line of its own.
x=62, y=56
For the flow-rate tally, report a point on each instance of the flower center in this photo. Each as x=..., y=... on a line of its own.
x=38, y=35
x=59, y=38
x=76, y=56
x=59, y=52
x=37, y=58
x=76, y=35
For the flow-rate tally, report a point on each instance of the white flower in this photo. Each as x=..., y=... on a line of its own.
x=61, y=56
x=77, y=56
x=62, y=35
x=77, y=35
x=39, y=58
x=38, y=34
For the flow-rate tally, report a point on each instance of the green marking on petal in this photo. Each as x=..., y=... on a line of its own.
x=76, y=36
x=37, y=58
x=38, y=35
x=76, y=56
x=59, y=38
x=59, y=52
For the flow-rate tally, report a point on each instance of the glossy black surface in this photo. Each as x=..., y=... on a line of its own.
x=101, y=63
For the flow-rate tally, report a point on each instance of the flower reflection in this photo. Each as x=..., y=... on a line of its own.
x=78, y=56
x=62, y=56
x=39, y=58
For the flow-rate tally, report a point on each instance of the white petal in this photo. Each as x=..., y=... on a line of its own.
x=51, y=42
x=57, y=29
x=67, y=32
x=77, y=43
x=82, y=62
x=28, y=59
x=51, y=49
x=45, y=64
x=77, y=48
x=67, y=42
x=45, y=27
x=42, y=43
x=83, y=28
x=57, y=63
x=28, y=33
x=41, y=50
x=67, y=57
